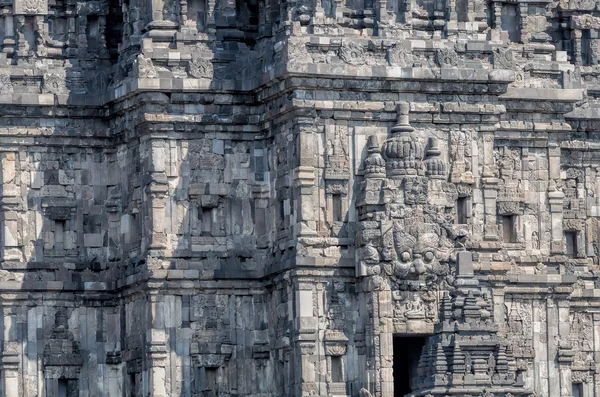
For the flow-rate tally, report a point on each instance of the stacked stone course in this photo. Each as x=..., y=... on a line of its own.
x=221, y=198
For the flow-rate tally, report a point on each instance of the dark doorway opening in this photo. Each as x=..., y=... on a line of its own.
x=407, y=351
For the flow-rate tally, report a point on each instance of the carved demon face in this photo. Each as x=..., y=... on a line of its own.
x=419, y=250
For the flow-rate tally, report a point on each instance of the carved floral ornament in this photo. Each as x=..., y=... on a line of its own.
x=400, y=55
x=55, y=84
x=584, y=5
x=586, y=21
x=297, y=51
x=31, y=7
x=335, y=343
x=446, y=57
x=504, y=58
x=211, y=360
x=5, y=84
x=352, y=53
x=200, y=68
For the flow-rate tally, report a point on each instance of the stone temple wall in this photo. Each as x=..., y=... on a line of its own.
x=223, y=198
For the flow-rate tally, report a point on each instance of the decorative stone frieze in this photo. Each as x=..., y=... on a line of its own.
x=30, y=7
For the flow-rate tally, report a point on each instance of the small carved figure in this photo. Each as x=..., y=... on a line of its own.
x=491, y=364
x=535, y=240
x=415, y=308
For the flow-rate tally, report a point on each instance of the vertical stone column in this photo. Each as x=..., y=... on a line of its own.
x=10, y=366
x=8, y=43
x=539, y=338
x=319, y=12
x=564, y=330
x=304, y=343
x=524, y=28
x=156, y=350
x=156, y=192
x=102, y=36
x=82, y=45
x=10, y=202
x=471, y=15
x=553, y=160
x=72, y=35
x=378, y=378
x=157, y=197
x=10, y=357
x=576, y=37
x=498, y=297
x=307, y=192
x=210, y=20
x=163, y=14
x=496, y=33
x=22, y=47
x=306, y=221
x=452, y=15
x=183, y=12
x=552, y=331
x=490, y=185
x=555, y=201
x=40, y=36
x=339, y=12
x=596, y=376
x=381, y=11
x=156, y=7
x=384, y=349
x=497, y=6
x=490, y=195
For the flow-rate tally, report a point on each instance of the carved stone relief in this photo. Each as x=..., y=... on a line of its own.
x=337, y=162
x=415, y=243
x=31, y=7
x=400, y=54
x=352, y=53
x=446, y=57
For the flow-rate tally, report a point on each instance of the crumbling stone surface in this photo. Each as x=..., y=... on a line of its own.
x=220, y=198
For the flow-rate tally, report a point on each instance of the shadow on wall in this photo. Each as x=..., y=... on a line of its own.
x=89, y=209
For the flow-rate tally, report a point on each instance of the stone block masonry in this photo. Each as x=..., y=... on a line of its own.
x=226, y=198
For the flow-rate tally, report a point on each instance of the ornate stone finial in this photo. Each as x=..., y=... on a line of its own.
x=423, y=366
x=60, y=319
x=441, y=364
x=502, y=360
x=458, y=359
x=403, y=150
x=434, y=165
x=403, y=124
x=374, y=164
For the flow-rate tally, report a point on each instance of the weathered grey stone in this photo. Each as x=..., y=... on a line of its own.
x=262, y=198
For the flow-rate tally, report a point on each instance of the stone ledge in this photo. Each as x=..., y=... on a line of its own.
x=543, y=94
x=584, y=114
x=542, y=278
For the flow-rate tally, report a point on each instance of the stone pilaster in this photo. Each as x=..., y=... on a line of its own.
x=307, y=192
x=156, y=351
x=305, y=381
x=565, y=352
x=11, y=374
x=156, y=192
x=555, y=202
